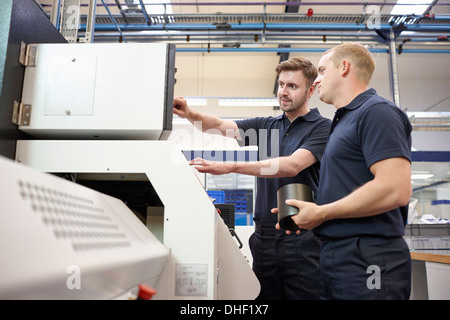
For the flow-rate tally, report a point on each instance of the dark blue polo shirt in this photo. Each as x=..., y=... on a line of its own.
x=367, y=130
x=276, y=137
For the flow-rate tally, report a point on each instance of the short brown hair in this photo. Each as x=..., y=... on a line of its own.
x=296, y=64
x=359, y=55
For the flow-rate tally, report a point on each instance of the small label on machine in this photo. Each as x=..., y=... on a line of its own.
x=191, y=280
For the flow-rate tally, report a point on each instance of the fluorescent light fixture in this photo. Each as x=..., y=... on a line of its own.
x=404, y=7
x=248, y=102
x=428, y=115
x=421, y=176
x=156, y=8
x=196, y=102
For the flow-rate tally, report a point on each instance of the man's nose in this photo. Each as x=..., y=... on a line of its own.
x=282, y=91
x=318, y=79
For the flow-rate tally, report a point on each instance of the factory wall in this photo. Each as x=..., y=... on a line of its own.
x=424, y=80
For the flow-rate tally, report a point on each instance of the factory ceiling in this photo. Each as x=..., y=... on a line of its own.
x=217, y=40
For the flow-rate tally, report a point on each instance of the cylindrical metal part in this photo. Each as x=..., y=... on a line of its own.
x=296, y=191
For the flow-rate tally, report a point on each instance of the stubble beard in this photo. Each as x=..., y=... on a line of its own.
x=290, y=106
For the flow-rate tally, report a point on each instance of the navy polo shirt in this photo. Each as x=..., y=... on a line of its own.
x=367, y=130
x=276, y=137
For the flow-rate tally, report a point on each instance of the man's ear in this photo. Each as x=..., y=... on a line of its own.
x=311, y=90
x=346, y=67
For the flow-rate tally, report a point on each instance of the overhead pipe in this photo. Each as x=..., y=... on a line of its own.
x=437, y=51
x=293, y=3
x=393, y=72
x=237, y=50
x=312, y=3
x=369, y=35
x=240, y=38
x=232, y=41
x=247, y=34
x=117, y=27
x=232, y=36
x=144, y=11
x=262, y=26
x=252, y=50
x=311, y=33
x=435, y=39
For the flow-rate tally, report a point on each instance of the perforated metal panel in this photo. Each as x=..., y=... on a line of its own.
x=74, y=218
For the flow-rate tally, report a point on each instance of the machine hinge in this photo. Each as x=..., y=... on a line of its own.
x=28, y=54
x=21, y=114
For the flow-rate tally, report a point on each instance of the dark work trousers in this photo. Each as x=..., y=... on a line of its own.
x=365, y=268
x=287, y=266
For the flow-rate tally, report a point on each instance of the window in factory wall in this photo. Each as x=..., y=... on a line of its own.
x=430, y=200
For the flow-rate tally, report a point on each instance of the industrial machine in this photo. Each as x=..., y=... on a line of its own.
x=204, y=261
x=83, y=101
x=98, y=200
x=97, y=91
x=61, y=240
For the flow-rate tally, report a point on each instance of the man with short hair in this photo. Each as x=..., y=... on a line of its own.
x=365, y=184
x=290, y=148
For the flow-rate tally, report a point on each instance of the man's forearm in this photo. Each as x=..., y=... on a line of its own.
x=212, y=124
x=287, y=166
x=387, y=191
x=271, y=168
x=368, y=200
x=207, y=121
x=267, y=168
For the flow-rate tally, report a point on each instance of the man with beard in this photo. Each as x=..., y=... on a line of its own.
x=290, y=149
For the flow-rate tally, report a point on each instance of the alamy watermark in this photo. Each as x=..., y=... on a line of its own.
x=374, y=17
x=374, y=280
x=268, y=142
x=74, y=279
x=73, y=12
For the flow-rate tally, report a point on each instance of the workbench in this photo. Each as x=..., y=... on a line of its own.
x=430, y=276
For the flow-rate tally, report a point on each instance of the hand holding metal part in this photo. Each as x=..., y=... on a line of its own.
x=295, y=215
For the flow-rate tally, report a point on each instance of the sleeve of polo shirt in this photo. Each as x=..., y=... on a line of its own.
x=318, y=138
x=249, y=131
x=384, y=132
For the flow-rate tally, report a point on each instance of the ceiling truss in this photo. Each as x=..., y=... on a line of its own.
x=284, y=30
